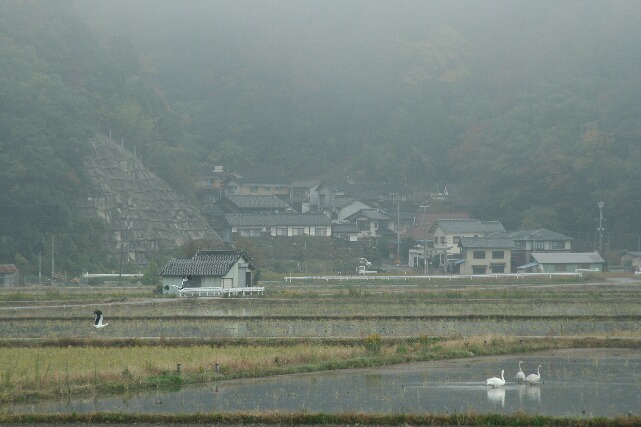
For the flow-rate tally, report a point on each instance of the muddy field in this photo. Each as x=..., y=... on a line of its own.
x=325, y=310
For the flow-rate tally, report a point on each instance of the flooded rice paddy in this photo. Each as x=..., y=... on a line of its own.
x=586, y=382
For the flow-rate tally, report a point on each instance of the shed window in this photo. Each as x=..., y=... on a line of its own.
x=560, y=267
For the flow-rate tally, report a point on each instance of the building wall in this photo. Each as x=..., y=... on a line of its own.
x=9, y=279
x=446, y=243
x=530, y=246
x=569, y=268
x=468, y=266
x=257, y=189
x=255, y=231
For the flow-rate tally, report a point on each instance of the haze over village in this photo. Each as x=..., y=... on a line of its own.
x=139, y=128
x=336, y=212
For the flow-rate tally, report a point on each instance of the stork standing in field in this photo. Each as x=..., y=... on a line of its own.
x=97, y=323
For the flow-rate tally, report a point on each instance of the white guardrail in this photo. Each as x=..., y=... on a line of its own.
x=110, y=275
x=218, y=292
x=361, y=277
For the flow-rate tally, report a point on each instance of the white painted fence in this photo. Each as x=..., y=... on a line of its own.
x=439, y=277
x=219, y=292
x=110, y=275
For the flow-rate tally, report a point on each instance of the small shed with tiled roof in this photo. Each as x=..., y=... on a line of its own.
x=9, y=275
x=208, y=269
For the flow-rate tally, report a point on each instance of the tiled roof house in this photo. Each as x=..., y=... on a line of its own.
x=213, y=268
x=277, y=224
x=9, y=275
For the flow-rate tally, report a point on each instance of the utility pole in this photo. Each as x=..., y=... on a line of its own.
x=398, y=224
x=600, y=205
x=398, y=232
x=425, y=261
x=52, y=261
x=128, y=224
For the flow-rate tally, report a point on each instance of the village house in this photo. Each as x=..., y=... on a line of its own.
x=561, y=262
x=483, y=255
x=527, y=241
x=300, y=194
x=252, y=204
x=448, y=232
x=325, y=196
x=224, y=269
x=211, y=187
x=276, y=224
x=9, y=275
x=238, y=184
x=346, y=231
x=347, y=206
x=372, y=223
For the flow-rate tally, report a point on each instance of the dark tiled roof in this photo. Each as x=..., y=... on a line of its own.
x=487, y=243
x=8, y=268
x=204, y=263
x=344, y=228
x=278, y=219
x=538, y=234
x=258, y=201
x=454, y=226
x=371, y=214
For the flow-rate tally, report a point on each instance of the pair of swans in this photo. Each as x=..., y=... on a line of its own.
x=520, y=377
x=532, y=378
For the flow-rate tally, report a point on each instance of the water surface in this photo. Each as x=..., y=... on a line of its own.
x=574, y=383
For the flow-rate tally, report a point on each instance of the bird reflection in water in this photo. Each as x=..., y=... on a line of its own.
x=496, y=395
x=533, y=394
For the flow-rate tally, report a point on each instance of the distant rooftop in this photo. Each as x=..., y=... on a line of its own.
x=257, y=201
x=204, y=263
x=454, y=226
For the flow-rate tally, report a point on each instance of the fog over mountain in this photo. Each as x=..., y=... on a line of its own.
x=532, y=107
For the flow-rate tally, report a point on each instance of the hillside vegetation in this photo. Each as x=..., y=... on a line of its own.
x=532, y=108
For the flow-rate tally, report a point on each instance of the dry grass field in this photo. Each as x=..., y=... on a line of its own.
x=152, y=341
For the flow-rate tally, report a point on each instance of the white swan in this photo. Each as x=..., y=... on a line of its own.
x=496, y=382
x=534, y=378
x=97, y=323
x=520, y=376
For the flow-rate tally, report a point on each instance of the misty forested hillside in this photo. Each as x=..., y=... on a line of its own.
x=533, y=107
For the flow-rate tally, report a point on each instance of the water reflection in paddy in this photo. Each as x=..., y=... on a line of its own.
x=574, y=382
